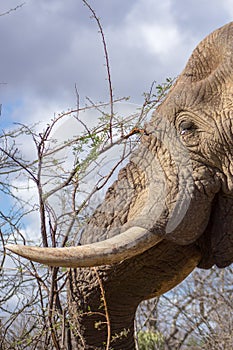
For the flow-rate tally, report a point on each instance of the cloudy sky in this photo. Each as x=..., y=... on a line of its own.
x=48, y=46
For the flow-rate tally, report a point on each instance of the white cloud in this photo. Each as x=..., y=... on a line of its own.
x=228, y=4
x=157, y=39
x=151, y=26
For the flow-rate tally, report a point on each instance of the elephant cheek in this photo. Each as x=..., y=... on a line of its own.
x=194, y=207
x=195, y=220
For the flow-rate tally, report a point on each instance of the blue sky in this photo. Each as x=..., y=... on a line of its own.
x=49, y=46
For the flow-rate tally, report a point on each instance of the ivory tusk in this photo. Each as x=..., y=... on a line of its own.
x=129, y=243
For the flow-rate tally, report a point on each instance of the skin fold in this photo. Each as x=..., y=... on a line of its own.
x=178, y=187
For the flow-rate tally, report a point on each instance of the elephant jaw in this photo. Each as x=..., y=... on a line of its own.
x=129, y=243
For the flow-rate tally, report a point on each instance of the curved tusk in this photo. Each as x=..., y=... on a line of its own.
x=129, y=243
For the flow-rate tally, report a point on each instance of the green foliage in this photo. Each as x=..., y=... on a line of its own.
x=120, y=335
x=162, y=89
x=148, y=340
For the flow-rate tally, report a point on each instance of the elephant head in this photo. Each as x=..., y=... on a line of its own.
x=171, y=208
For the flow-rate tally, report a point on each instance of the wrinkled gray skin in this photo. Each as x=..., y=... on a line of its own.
x=198, y=113
x=178, y=186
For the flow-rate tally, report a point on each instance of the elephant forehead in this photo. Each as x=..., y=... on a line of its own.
x=207, y=80
x=213, y=55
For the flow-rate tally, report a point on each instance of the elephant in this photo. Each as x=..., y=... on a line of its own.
x=169, y=211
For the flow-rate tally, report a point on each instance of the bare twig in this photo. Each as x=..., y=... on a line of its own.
x=105, y=309
x=107, y=66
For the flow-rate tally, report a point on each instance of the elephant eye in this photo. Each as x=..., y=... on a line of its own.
x=186, y=127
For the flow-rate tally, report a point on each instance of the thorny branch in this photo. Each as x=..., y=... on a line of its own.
x=107, y=66
x=13, y=9
x=105, y=309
